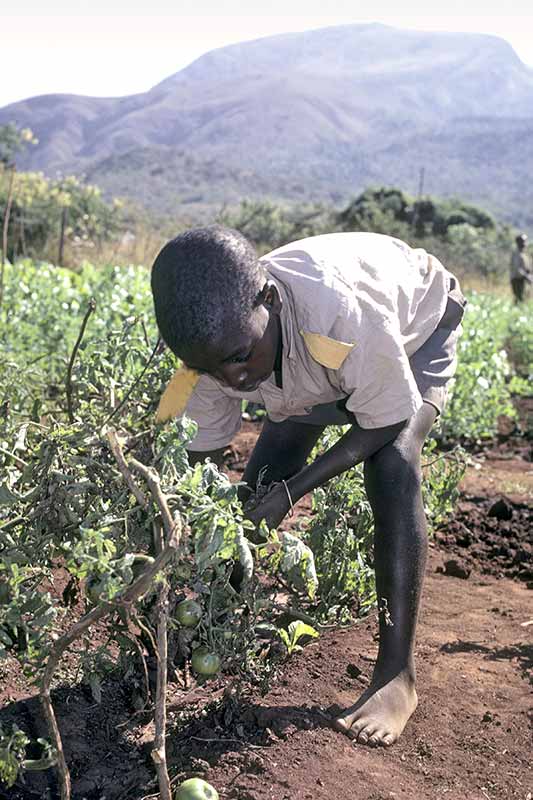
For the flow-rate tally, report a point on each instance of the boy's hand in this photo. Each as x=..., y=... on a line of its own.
x=272, y=507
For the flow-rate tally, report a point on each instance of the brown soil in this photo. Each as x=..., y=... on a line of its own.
x=469, y=738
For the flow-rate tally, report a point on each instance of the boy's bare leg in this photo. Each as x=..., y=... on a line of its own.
x=393, y=485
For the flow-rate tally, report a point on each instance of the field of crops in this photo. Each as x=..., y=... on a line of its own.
x=116, y=557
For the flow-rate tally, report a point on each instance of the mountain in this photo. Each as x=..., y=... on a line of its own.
x=307, y=116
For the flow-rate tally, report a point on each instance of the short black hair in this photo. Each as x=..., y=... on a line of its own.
x=204, y=281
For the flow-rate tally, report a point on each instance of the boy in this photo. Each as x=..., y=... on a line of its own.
x=348, y=328
x=521, y=272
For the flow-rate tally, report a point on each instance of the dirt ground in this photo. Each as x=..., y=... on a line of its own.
x=471, y=736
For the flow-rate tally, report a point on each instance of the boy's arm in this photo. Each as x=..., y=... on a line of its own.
x=355, y=446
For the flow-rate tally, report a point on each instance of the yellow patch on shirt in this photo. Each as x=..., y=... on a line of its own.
x=176, y=395
x=328, y=352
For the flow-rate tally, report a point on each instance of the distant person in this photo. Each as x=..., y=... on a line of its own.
x=521, y=271
x=353, y=329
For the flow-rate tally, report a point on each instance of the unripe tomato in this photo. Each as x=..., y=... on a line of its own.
x=205, y=662
x=196, y=789
x=188, y=613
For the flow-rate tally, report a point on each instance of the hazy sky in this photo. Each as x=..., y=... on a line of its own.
x=117, y=47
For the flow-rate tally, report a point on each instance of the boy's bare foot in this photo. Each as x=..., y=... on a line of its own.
x=382, y=711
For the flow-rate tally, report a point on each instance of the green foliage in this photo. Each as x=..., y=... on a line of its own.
x=340, y=535
x=519, y=341
x=42, y=314
x=13, y=759
x=12, y=751
x=480, y=391
x=14, y=140
x=341, y=530
x=294, y=633
x=386, y=206
x=64, y=505
x=465, y=237
x=40, y=204
x=377, y=210
x=269, y=225
x=442, y=472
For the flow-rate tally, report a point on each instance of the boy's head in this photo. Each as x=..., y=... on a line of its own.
x=215, y=307
x=521, y=241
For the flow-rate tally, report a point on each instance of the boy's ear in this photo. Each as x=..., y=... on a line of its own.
x=269, y=297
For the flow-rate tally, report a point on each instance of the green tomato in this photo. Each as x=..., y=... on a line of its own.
x=204, y=662
x=196, y=789
x=189, y=613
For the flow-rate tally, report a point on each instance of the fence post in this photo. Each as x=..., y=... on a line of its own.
x=7, y=214
x=62, y=237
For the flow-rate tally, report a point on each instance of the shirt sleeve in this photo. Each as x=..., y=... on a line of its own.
x=218, y=416
x=378, y=378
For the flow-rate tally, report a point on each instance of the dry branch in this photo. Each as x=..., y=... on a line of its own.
x=152, y=479
x=116, y=449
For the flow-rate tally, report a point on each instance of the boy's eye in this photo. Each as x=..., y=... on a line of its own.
x=240, y=359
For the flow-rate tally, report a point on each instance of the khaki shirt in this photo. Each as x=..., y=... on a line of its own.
x=374, y=294
x=520, y=264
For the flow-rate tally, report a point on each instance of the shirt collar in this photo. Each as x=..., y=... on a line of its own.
x=286, y=314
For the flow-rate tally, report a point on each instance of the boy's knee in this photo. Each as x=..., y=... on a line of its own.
x=396, y=467
x=399, y=462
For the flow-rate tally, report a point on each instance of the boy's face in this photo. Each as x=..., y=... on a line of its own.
x=244, y=359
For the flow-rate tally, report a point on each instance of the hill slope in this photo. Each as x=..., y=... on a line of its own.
x=306, y=115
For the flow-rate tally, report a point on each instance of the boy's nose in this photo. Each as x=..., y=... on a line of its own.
x=234, y=379
x=241, y=379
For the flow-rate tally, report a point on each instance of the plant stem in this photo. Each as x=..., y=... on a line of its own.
x=135, y=382
x=159, y=754
x=68, y=382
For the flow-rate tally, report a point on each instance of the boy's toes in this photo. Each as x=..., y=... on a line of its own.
x=347, y=725
x=381, y=738
x=341, y=724
x=366, y=733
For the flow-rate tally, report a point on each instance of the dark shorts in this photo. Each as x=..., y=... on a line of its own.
x=433, y=365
